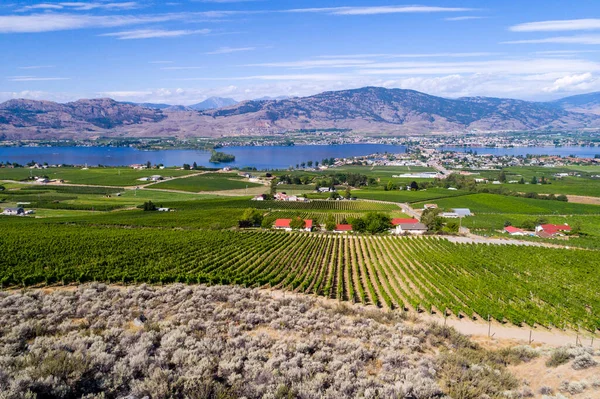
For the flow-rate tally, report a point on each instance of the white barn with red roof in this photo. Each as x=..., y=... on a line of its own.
x=284, y=224
x=343, y=228
x=552, y=230
x=514, y=231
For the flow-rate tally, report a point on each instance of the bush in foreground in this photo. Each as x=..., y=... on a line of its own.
x=226, y=342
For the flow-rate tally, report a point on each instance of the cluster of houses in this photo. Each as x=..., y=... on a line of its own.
x=19, y=211
x=400, y=226
x=152, y=178
x=282, y=197
x=542, y=231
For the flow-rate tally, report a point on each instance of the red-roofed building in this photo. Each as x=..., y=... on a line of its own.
x=513, y=231
x=552, y=229
x=343, y=228
x=284, y=224
x=398, y=221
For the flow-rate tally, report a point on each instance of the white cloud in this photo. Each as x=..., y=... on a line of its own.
x=558, y=25
x=579, y=39
x=36, y=67
x=32, y=79
x=57, y=22
x=512, y=67
x=124, y=94
x=282, y=77
x=160, y=62
x=154, y=33
x=228, y=50
x=463, y=18
x=415, y=55
x=180, y=68
x=329, y=63
x=378, y=10
x=571, y=83
x=80, y=6
x=564, y=52
x=51, y=21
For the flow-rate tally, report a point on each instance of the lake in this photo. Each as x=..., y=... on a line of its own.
x=258, y=157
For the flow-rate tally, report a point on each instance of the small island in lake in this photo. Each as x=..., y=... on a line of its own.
x=218, y=157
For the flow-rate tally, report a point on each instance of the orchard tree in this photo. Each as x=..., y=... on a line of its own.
x=330, y=224
x=254, y=216
x=297, y=223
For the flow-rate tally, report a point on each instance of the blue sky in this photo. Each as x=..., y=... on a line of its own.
x=183, y=51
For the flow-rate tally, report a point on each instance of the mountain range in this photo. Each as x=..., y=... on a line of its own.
x=365, y=110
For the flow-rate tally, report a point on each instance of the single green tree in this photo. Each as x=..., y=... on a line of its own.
x=254, y=216
x=330, y=224
x=297, y=223
x=358, y=225
x=534, y=180
x=149, y=206
x=348, y=193
x=502, y=177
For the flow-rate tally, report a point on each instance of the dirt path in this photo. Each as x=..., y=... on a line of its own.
x=499, y=334
x=474, y=239
x=581, y=199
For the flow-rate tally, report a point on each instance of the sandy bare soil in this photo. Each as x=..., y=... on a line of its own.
x=580, y=199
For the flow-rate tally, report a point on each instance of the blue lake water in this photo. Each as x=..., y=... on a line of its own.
x=258, y=157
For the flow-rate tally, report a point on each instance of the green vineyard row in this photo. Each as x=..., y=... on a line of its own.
x=521, y=285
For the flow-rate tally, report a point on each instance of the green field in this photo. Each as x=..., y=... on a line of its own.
x=406, y=195
x=325, y=205
x=584, y=184
x=88, y=197
x=494, y=203
x=521, y=285
x=207, y=182
x=93, y=176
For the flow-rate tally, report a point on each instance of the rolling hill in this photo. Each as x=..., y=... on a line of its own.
x=365, y=110
x=586, y=103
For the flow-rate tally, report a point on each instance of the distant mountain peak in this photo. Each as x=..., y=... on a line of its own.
x=213, y=103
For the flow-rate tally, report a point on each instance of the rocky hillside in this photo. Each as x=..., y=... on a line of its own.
x=365, y=110
x=42, y=119
x=586, y=103
x=397, y=110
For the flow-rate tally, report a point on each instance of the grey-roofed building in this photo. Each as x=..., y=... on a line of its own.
x=411, y=228
x=462, y=212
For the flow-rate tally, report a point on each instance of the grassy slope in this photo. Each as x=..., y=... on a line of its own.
x=207, y=182
x=407, y=196
x=493, y=203
x=92, y=176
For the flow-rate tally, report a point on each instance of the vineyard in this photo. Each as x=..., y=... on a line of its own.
x=521, y=285
x=326, y=205
x=321, y=217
